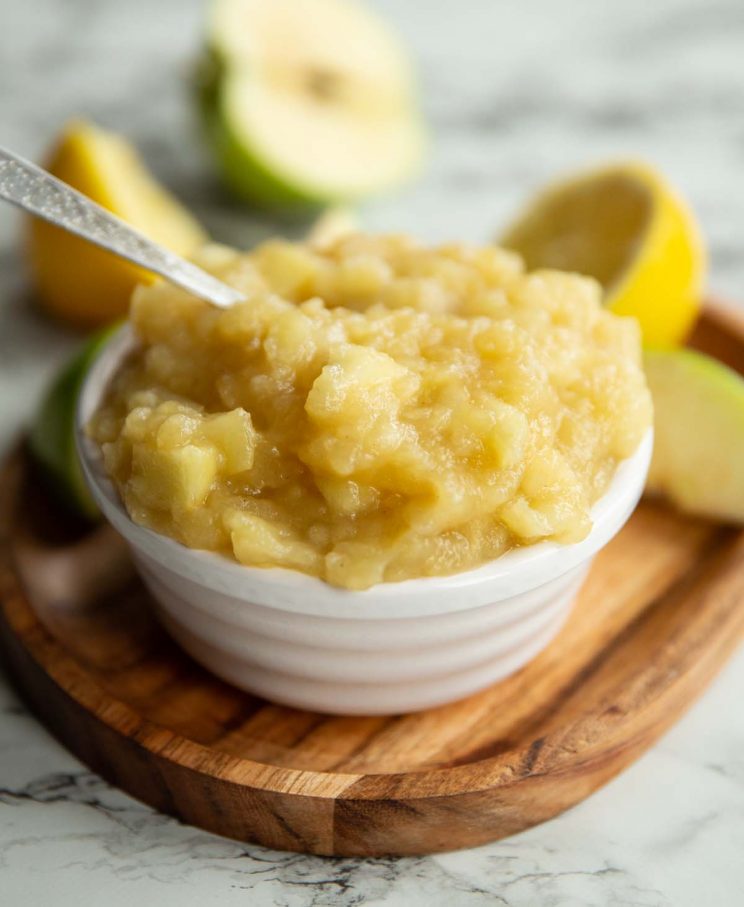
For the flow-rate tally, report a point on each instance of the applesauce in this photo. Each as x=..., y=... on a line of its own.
x=376, y=410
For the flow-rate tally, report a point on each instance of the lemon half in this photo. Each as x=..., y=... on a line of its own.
x=626, y=226
x=75, y=280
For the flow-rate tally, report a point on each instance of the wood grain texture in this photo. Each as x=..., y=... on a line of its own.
x=662, y=610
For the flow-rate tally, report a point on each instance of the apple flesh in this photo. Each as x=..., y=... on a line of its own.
x=698, y=460
x=307, y=102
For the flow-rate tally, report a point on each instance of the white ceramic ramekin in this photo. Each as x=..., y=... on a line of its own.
x=396, y=647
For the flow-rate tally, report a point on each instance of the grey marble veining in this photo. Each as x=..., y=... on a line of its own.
x=515, y=93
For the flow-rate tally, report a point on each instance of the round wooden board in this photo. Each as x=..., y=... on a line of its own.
x=660, y=613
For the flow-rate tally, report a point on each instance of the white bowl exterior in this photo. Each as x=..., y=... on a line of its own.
x=397, y=647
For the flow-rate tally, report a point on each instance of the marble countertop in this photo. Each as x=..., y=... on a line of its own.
x=515, y=92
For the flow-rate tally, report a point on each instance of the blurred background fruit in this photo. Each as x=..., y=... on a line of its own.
x=52, y=436
x=332, y=224
x=698, y=460
x=307, y=102
x=75, y=281
x=626, y=226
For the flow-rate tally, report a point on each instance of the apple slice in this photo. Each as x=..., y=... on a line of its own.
x=698, y=460
x=52, y=436
x=308, y=102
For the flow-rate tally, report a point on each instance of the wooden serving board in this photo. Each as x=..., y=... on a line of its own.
x=662, y=610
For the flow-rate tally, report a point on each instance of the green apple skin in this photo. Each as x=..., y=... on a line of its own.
x=243, y=174
x=698, y=460
x=52, y=436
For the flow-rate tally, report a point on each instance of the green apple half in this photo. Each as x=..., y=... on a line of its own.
x=52, y=437
x=308, y=102
x=698, y=460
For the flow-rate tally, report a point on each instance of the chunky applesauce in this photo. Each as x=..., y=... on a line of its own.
x=376, y=410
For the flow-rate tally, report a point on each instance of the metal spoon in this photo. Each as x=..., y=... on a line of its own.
x=43, y=195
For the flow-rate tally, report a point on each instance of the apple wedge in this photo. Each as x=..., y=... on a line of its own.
x=52, y=436
x=698, y=460
x=308, y=102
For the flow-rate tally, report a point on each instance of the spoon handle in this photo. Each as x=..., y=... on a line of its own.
x=43, y=195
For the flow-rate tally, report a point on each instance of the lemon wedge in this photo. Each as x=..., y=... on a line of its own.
x=626, y=226
x=76, y=281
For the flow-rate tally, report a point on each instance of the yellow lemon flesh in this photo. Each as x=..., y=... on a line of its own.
x=627, y=227
x=76, y=281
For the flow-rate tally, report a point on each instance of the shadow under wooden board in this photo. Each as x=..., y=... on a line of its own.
x=661, y=611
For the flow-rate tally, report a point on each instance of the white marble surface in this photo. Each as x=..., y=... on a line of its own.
x=514, y=92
